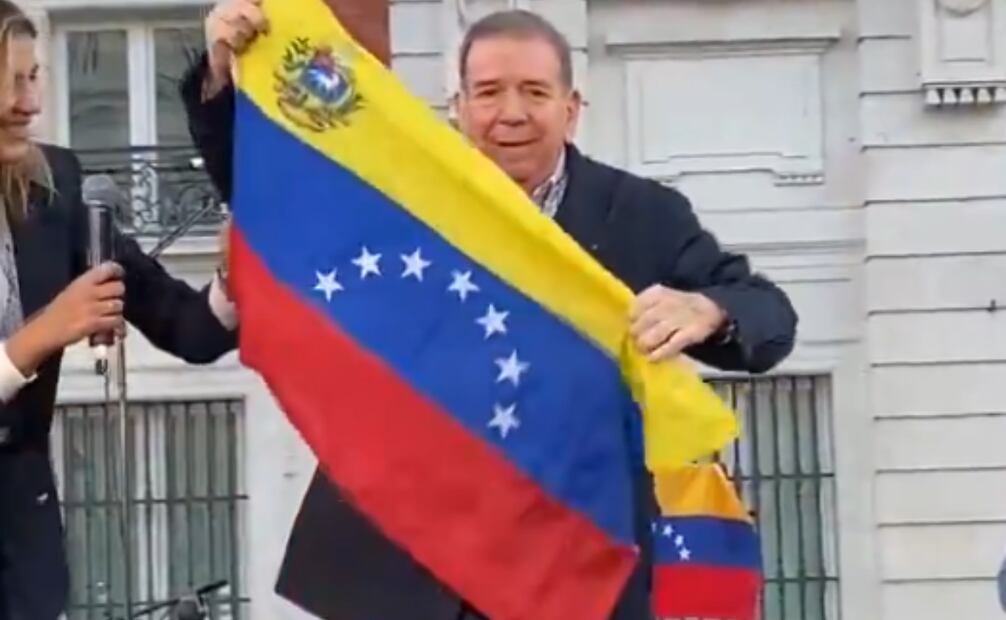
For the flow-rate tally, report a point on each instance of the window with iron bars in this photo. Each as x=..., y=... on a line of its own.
x=783, y=467
x=188, y=498
x=186, y=504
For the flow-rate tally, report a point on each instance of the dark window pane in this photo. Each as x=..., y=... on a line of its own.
x=99, y=89
x=782, y=467
x=184, y=523
x=175, y=49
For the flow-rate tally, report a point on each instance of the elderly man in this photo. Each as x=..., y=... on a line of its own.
x=518, y=105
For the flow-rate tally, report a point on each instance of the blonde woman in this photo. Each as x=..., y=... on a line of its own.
x=48, y=300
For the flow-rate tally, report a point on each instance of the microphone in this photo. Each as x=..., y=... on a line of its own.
x=102, y=198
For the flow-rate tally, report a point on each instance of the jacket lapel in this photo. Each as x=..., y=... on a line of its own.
x=584, y=210
x=41, y=254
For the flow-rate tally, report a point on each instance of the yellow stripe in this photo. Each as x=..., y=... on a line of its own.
x=698, y=490
x=397, y=145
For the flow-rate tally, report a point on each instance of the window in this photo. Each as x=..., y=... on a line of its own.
x=118, y=106
x=121, y=83
x=783, y=467
x=186, y=504
x=187, y=497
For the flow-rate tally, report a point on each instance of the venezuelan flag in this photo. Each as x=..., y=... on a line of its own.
x=707, y=552
x=459, y=366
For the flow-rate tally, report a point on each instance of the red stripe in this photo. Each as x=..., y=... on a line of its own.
x=457, y=504
x=696, y=591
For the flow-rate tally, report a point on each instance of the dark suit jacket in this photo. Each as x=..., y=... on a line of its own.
x=340, y=567
x=50, y=245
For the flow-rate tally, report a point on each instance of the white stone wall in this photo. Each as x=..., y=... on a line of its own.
x=935, y=267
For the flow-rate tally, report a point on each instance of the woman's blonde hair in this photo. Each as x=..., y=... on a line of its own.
x=17, y=178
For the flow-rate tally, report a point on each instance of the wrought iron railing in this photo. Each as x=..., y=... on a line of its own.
x=185, y=505
x=187, y=496
x=783, y=468
x=166, y=188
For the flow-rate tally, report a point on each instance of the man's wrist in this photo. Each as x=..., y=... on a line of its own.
x=223, y=279
x=727, y=332
x=212, y=85
x=221, y=304
x=216, y=78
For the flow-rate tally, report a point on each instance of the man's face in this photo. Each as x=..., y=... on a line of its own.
x=515, y=108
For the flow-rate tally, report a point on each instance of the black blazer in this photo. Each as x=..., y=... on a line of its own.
x=338, y=566
x=50, y=245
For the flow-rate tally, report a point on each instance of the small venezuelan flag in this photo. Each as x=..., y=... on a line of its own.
x=461, y=368
x=707, y=552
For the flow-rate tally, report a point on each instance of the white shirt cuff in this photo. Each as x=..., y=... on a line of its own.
x=222, y=308
x=11, y=379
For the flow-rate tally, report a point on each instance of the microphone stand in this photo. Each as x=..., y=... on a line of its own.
x=123, y=404
x=124, y=469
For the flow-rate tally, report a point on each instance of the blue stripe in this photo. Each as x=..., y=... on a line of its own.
x=303, y=213
x=707, y=541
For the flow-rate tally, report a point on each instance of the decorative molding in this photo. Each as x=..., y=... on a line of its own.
x=961, y=66
x=718, y=107
x=631, y=43
x=938, y=95
x=115, y=5
x=827, y=253
x=962, y=8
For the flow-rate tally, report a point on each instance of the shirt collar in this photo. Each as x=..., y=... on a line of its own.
x=541, y=193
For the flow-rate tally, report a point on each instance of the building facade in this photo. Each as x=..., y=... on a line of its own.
x=854, y=149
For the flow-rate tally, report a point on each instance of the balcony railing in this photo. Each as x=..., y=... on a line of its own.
x=166, y=188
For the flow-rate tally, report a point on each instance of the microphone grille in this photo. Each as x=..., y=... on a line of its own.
x=101, y=189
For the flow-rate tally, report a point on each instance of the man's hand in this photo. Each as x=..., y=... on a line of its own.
x=665, y=322
x=91, y=304
x=230, y=28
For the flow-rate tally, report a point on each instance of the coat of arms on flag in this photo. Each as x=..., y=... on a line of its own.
x=317, y=88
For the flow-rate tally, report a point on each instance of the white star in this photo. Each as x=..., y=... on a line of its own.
x=679, y=541
x=685, y=554
x=327, y=283
x=415, y=264
x=367, y=263
x=504, y=419
x=462, y=284
x=668, y=531
x=494, y=321
x=511, y=368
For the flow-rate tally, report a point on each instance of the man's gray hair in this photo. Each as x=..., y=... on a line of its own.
x=521, y=24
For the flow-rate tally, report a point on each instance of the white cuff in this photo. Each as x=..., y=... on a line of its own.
x=222, y=308
x=11, y=379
